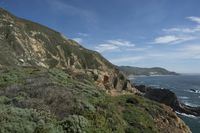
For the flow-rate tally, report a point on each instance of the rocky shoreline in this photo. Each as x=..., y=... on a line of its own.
x=168, y=98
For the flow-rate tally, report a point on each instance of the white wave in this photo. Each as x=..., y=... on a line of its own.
x=193, y=91
x=131, y=77
x=183, y=97
x=187, y=115
x=191, y=104
x=153, y=85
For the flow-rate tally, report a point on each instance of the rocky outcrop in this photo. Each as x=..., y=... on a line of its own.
x=168, y=122
x=169, y=98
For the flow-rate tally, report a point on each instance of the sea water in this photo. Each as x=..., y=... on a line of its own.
x=186, y=87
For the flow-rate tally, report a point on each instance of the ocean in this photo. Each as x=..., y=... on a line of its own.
x=186, y=87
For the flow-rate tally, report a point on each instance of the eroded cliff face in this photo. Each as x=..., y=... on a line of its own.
x=25, y=43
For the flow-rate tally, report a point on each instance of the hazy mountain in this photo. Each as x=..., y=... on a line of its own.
x=129, y=70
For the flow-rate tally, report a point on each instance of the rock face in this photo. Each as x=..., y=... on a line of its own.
x=169, y=98
x=50, y=84
x=25, y=43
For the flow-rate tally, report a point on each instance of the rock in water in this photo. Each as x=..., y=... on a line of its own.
x=168, y=98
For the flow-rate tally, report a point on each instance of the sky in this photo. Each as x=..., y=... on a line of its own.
x=143, y=33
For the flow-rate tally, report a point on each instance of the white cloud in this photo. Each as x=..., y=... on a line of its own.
x=183, y=30
x=165, y=39
x=79, y=40
x=172, y=39
x=180, y=34
x=114, y=45
x=194, y=29
x=194, y=19
x=106, y=47
x=120, y=42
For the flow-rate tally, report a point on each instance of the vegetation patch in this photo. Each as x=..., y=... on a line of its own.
x=16, y=120
x=55, y=100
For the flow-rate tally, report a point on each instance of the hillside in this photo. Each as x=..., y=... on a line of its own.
x=51, y=84
x=129, y=70
x=25, y=43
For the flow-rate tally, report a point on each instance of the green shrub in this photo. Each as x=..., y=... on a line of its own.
x=75, y=124
x=16, y=120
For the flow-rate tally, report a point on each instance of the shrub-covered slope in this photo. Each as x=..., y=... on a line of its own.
x=39, y=100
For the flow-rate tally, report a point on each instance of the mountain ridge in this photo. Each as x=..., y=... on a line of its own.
x=130, y=70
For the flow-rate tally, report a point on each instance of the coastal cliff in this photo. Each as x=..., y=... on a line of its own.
x=51, y=84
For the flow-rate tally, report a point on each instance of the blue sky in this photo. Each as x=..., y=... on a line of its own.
x=144, y=33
